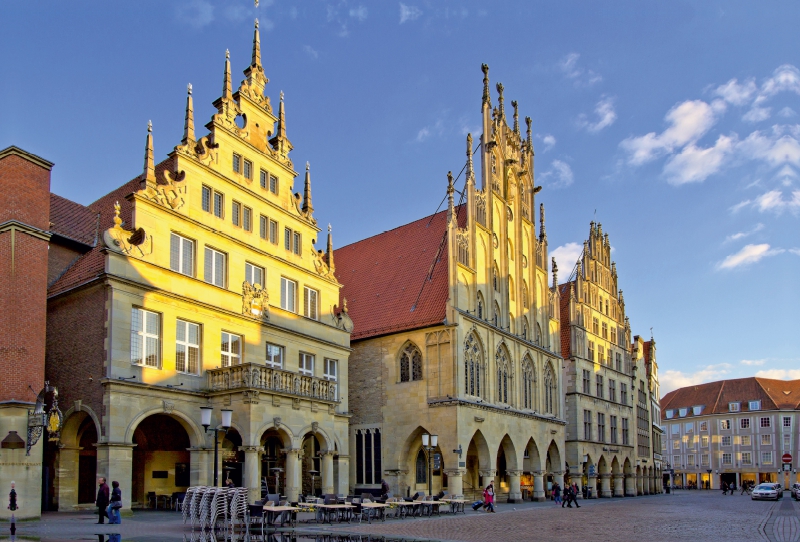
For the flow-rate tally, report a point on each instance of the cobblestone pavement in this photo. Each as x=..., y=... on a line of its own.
x=687, y=515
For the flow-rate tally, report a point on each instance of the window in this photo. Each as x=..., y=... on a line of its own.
x=754, y=405
x=766, y=458
x=331, y=369
x=473, y=366
x=287, y=238
x=306, y=364
x=595, y=326
x=619, y=359
x=744, y=423
x=273, y=232
x=368, y=456
x=181, y=254
x=690, y=460
x=787, y=421
x=206, y=199
x=613, y=429
x=766, y=440
x=410, y=363
x=765, y=422
x=219, y=204
x=612, y=390
x=725, y=425
x=236, y=212
x=599, y=386
x=682, y=412
x=230, y=349
x=310, y=303
x=214, y=267
x=726, y=440
x=145, y=338
x=591, y=351
x=704, y=460
x=676, y=429
x=746, y=440
x=733, y=407
x=288, y=294
x=623, y=393
x=422, y=468
x=248, y=169
x=726, y=459
x=187, y=347
x=614, y=336
x=253, y=274
x=601, y=357
x=676, y=444
x=273, y=184
x=676, y=460
x=237, y=163
x=587, y=425
x=297, y=248
x=262, y=178
x=262, y=226
x=697, y=410
x=626, y=439
x=605, y=330
x=703, y=426
x=274, y=356
x=601, y=427
x=247, y=219
x=747, y=458
x=704, y=441
x=586, y=382
x=787, y=442
x=669, y=413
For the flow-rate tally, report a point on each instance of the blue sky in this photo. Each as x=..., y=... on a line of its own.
x=678, y=123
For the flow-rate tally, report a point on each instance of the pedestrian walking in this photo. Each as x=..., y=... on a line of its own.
x=102, y=500
x=488, y=497
x=724, y=488
x=556, y=493
x=574, y=496
x=112, y=511
x=565, y=499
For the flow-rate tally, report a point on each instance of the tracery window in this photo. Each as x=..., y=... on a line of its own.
x=479, y=308
x=528, y=383
x=504, y=374
x=410, y=363
x=496, y=278
x=496, y=316
x=525, y=300
x=525, y=328
x=422, y=468
x=538, y=334
x=473, y=366
x=549, y=390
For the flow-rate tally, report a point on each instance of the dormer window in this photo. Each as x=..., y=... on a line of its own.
x=697, y=410
x=669, y=413
x=754, y=405
x=682, y=412
x=733, y=407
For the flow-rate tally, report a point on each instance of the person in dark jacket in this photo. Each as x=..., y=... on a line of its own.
x=102, y=500
x=115, y=504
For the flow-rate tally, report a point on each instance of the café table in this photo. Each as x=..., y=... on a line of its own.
x=379, y=507
x=271, y=511
x=456, y=505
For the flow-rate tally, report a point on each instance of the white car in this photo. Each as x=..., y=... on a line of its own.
x=796, y=491
x=765, y=491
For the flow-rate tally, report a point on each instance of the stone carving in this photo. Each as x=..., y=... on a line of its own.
x=169, y=191
x=250, y=397
x=255, y=301
x=276, y=421
x=320, y=265
x=132, y=243
x=168, y=407
x=340, y=317
x=314, y=427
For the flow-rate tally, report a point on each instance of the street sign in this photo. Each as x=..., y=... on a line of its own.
x=591, y=470
x=787, y=467
x=787, y=458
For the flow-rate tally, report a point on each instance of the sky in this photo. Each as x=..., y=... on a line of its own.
x=674, y=124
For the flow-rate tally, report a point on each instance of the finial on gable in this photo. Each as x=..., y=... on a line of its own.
x=331, y=265
x=117, y=219
x=188, y=121
x=501, y=101
x=470, y=170
x=308, y=208
x=487, y=98
x=529, y=139
x=226, y=82
x=554, y=267
x=149, y=174
x=542, y=231
x=516, y=117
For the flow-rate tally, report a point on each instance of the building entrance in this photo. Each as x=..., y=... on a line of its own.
x=160, y=460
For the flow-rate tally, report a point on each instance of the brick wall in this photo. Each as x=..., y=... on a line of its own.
x=366, y=381
x=76, y=336
x=59, y=259
x=24, y=192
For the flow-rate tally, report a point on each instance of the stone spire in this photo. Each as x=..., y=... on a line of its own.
x=149, y=174
x=450, y=202
x=554, y=267
x=501, y=101
x=307, y=208
x=516, y=117
x=226, y=83
x=255, y=58
x=331, y=265
x=487, y=98
x=188, y=121
x=529, y=139
x=280, y=142
x=253, y=85
x=542, y=232
x=470, y=170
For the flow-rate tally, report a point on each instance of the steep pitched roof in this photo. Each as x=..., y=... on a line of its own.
x=73, y=221
x=397, y=280
x=716, y=396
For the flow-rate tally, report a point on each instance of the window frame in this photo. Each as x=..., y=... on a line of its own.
x=247, y=218
x=744, y=423
x=263, y=227
x=327, y=363
x=182, y=241
x=188, y=346
x=218, y=208
x=308, y=303
x=285, y=282
x=274, y=187
x=273, y=231
x=249, y=269
x=247, y=169
x=214, y=271
x=144, y=335
x=268, y=360
x=237, y=163
x=236, y=213
x=229, y=355
x=207, y=198
x=765, y=422
x=302, y=360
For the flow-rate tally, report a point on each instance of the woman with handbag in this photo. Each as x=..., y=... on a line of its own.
x=115, y=504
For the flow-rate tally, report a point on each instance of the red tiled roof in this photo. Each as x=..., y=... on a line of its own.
x=716, y=396
x=563, y=290
x=397, y=280
x=73, y=220
x=92, y=264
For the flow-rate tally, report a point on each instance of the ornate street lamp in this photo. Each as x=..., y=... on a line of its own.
x=205, y=420
x=429, y=444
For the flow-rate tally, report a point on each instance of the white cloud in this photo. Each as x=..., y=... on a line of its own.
x=695, y=164
x=757, y=114
x=561, y=173
x=749, y=254
x=773, y=201
x=549, y=142
x=359, y=13
x=581, y=77
x=688, y=121
x=196, y=13
x=795, y=251
x=409, y=13
x=566, y=256
x=742, y=234
x=786, y=112
x=605, y=116
x=735, y=93
x=752, y=362
x=773, y=148
x=739, y=206
x=310, y=51
x=423, y=134
x=672, y=379
x=785, y=78
x=780, y=374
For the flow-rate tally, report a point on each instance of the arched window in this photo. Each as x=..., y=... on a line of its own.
x=549, y=390
x=410, y=363
x=525, y=331
x=422, y=468
x=496, y=315
x=525, y=299
x=504, y=374
x=473, y=366
x=538, y=339
x=496, y=278
x=479, y=308
x=528, y=383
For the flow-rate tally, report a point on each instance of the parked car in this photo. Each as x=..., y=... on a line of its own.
x=765, y=491
x=796, y=491
x=779, y=488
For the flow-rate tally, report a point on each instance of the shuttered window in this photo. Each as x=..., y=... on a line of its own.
x=214, y=268
x=288, y=294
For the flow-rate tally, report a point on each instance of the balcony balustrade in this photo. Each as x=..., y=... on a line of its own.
x=269, y=379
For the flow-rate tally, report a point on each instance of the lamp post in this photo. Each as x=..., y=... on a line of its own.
x=205, y=420
x=429, y=444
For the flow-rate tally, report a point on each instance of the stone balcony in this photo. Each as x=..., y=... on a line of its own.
x=268, y=379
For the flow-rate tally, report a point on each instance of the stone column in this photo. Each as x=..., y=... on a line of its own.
x=252, y=472
x=514, y=492
x=538, y=485
x=488, y=476
x=200, y=463
x=327, y=473
x=593, y=485
x=558, y=478
x=605, y=485
x=652, y=485
x=639, y=489
x=578, y=481
x=344, y=475
x=619, y=490
x=630, y=485
x=293, y=474
x=115, y=462
x=455, y=481
x=67, y=477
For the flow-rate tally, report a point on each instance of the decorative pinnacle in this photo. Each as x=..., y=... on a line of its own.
x=487, y=98
x=226, y=82
x=189, y=88
x=255, y=59
x=329, y=228
x=149, y=174
x=188, y=121
x=227, y=54
x=542, y=232
x=308, y=166
x=307, y=208
x=555, y=272
x=529, y=139
x=117, y=219
x=150, y=126
x=470, y=172
x=331, y=264
x=501, y=100
x=516, y=116
x=450, y=190
x=281, y=95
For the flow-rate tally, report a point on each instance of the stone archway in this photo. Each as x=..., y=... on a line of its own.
x=75, y=483
x=479, y=465
x=617, y=481
x=507, y=479
x=161, y=460
x=630, y=478
x=604, y=477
